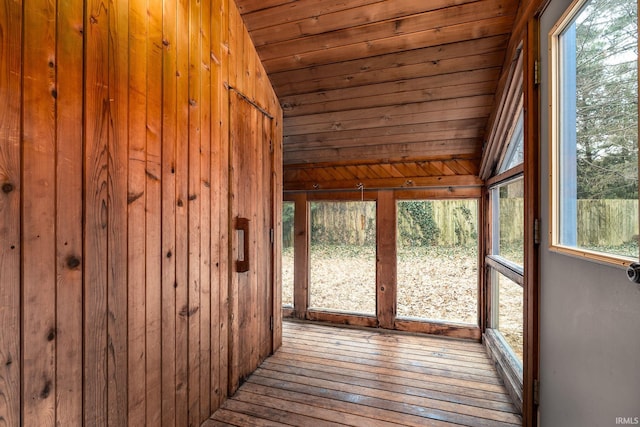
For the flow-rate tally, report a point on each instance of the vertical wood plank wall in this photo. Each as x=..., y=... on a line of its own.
x=114, y=209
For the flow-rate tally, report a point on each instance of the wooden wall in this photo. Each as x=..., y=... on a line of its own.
x=114, y=209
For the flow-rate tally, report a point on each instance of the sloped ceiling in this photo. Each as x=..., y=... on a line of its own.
x=382, y=82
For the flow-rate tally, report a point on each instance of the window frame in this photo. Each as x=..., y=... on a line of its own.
x=478, y=246
x=497, y=264
x=332, y=310
x=555, y=130
x=289, y=306
x=502, y=353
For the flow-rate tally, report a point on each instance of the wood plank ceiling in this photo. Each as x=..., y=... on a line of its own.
x=383, y=92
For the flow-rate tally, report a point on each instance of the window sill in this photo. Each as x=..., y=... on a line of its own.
x=598, y=257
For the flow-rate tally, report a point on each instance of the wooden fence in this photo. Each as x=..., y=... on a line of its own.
x=603, y=223
x=600, y=222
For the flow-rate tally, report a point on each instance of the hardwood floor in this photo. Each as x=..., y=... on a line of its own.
x=330, y=376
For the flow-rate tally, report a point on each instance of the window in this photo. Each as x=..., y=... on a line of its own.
x=595, y=130
x=515, y=149
x=509, y=313
x=506, y=263
x=506, y=253
x=437, y=260
x=508, y=220
x=288, y=216
x=343, y=257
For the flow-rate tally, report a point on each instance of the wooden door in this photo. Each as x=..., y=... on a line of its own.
x=251, y=222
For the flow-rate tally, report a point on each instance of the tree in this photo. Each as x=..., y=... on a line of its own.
x=607, y=100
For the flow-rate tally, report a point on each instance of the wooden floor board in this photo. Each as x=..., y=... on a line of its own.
x=388, y=375
x=375, y=353
x=389, y=383
x=428, y=347
x=331, y=376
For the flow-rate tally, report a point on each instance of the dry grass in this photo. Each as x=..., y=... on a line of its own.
x=434, y=283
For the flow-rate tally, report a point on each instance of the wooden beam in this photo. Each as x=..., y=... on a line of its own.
x=477, y=29
x=409, y=129
x=452, y=57
x=11, y=23
x=249, y=6
x=340, y=120
x=383, y=152
x=136, y=217
x=194, y=205
x=169, y=203
x=336, y=16
x=342, y=318
x=505, y=176
x=181, y=284
x=277, y=191
x=444, y=329
x=531, y=363
x=207, y=211
x=301, y=259
x=389, y=93
x=440, y=193
x=38, y=215
x=363, y=141
x=116, y=311
x=153, y=194
x=224, y=215
x=386, y=183
x=69, y=195
x=338, y=163
x=96, y=45
x=398, y=30
x=411, y=96
x=300, y=11
x=386, y=285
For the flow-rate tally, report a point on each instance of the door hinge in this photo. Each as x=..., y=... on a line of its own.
x=536, y=392
x=536, y=72
x=272, y=235
x=536, y=231
x=271, y=324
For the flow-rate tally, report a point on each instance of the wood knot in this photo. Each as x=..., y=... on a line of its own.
x=132, y=197
x=7, y=187
x=54, y=93
x=188, y=312
x=165, y=42
x=180, y=203
x=169, y=254
x=193, y=197
x=51, y=335
x=46, y=390
x=73, y=262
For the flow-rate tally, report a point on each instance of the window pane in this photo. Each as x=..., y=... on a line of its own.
x=508, y=222
x=510, y=316
x=597, y=183
x=288, y=213
x=437, y=267
x=515, y=150
x=343, y=256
